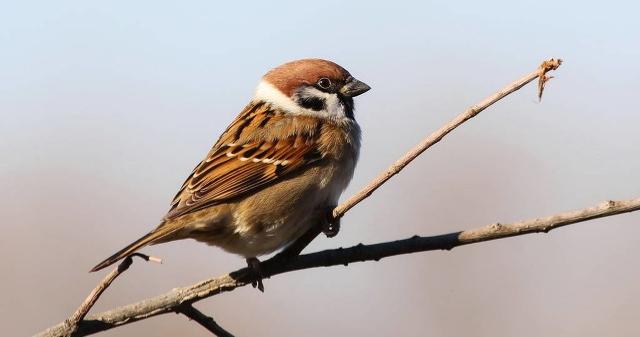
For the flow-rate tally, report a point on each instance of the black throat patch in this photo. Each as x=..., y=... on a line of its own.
x=347, y=103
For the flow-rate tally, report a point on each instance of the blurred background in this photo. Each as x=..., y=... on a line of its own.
x=106, y=107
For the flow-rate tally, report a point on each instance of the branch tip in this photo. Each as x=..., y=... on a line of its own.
x=148, y=258
x=546, y=66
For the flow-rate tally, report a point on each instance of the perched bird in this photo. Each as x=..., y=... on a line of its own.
x=277, y=170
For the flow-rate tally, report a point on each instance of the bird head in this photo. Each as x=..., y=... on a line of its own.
x=313, y=87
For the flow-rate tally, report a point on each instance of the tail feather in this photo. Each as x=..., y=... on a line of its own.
x=152, y=237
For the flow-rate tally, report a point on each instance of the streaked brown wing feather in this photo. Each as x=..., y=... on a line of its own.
x=233, y=168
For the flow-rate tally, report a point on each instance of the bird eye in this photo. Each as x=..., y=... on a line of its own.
x=324, y=83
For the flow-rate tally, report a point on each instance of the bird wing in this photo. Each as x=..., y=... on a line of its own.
x=234, y=168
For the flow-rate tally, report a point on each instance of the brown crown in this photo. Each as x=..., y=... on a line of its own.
x=289, y=76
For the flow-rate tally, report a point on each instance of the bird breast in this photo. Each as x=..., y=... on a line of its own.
x=275, y=216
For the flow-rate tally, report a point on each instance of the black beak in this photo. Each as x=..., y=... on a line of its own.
x=354, y=88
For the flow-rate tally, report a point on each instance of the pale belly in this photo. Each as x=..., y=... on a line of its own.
x=276, y=216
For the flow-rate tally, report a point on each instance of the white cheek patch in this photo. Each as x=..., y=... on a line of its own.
x=333, y=107
x=268, y=93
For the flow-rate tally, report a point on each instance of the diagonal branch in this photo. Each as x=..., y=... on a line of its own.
x=175, y=299
x=540, y=74
x=72, y=322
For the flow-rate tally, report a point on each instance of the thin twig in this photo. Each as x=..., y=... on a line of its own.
x=170, y=301
x=207, y=322
x=147, y=258
x=87, y=304
x=81, y=312
x=435, y=137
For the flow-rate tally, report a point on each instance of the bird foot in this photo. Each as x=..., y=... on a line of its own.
x=330, y=225
x=254, y=264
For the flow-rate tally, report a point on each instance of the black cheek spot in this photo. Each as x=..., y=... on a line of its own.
x=313, y=103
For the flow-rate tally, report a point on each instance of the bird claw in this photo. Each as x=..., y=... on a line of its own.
x=254, y=264
x=330, y=225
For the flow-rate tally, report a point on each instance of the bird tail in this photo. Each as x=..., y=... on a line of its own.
x=158, y=235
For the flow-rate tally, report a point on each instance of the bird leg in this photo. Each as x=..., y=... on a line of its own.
x=254, y=264
x=330, y=224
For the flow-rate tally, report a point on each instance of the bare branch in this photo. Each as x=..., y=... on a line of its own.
x=207, y=322
x=173, y=300
x=551, y=64
x=97, y=291
x=282, y=261
x=72, y=322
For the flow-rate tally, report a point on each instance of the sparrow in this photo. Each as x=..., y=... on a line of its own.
x=276, y=171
